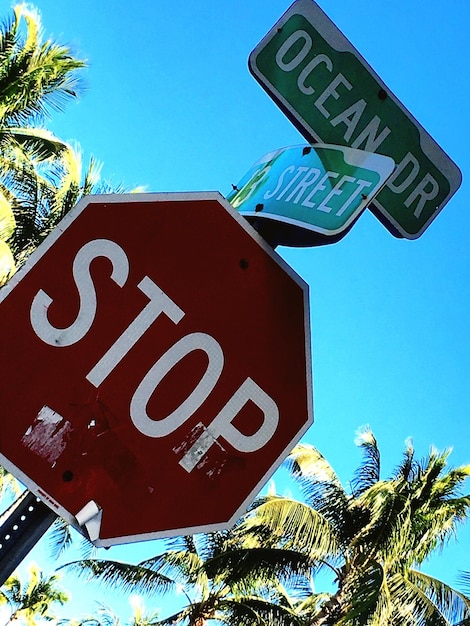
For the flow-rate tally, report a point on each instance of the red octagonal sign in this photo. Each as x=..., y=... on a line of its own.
x=155, y=366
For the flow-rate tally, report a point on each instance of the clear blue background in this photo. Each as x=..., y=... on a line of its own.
x=170, y=104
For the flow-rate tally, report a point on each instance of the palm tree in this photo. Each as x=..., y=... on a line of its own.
x=36, y=78
x=373, y=538
x=185, y=568
x=33, y=599
x=43, y=195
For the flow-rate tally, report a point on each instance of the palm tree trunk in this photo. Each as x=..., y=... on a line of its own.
x=331, y=611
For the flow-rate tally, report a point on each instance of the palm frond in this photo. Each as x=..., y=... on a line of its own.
x=293, y=525
x=256, y=611
x=34, y=596
x=361, y=592
x=305, y=461
x=62, y=536
x=36, y=77
x=411, y=606
x=405, y=471
x=126, y=576
x=368, y=473
x=180, y=566
x=452, y=604
x=464, y=578
x=250, y=565
x=37, y=144
x=378, y=504
x=319, y=484
x=183, y=542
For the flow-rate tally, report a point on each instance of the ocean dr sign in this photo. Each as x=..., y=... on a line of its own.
x=332, y=95
x=314, y=189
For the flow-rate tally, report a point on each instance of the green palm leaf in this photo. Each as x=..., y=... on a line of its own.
x=35, y=596
x=452, y=604
x=321, y=486
x=35, y=76
x=128, y=577
x=368, y=473
x=295, y=525
x=244, y=567
x=372, y=538
x=255, y=610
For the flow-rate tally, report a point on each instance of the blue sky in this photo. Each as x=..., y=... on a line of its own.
x=170, y=105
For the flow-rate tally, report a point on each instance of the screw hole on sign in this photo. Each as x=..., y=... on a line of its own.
x=382, y=94
x=244, y=264
x=67, y=476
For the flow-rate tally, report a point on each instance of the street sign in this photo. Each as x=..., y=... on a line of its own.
x=315, y=190
x=155, y=366
x=332, y=95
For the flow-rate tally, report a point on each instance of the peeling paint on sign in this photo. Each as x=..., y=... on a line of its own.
x=47, y=435
x=195, y=447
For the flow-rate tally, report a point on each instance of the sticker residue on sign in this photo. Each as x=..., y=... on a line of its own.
x=47, y=435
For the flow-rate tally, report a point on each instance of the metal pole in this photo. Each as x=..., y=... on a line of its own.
x=21, y=527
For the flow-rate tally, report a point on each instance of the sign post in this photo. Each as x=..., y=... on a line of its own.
x=332, y=95
x=21, y=527
x=164, y=369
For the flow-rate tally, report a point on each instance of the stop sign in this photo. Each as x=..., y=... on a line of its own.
x=155, y=366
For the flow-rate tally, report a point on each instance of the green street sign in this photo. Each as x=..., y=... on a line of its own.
x=332, y=95
x=319, y=189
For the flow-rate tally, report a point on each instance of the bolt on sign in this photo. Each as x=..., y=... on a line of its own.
x=332, y=95
x=317, y=191
x=156, y=367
